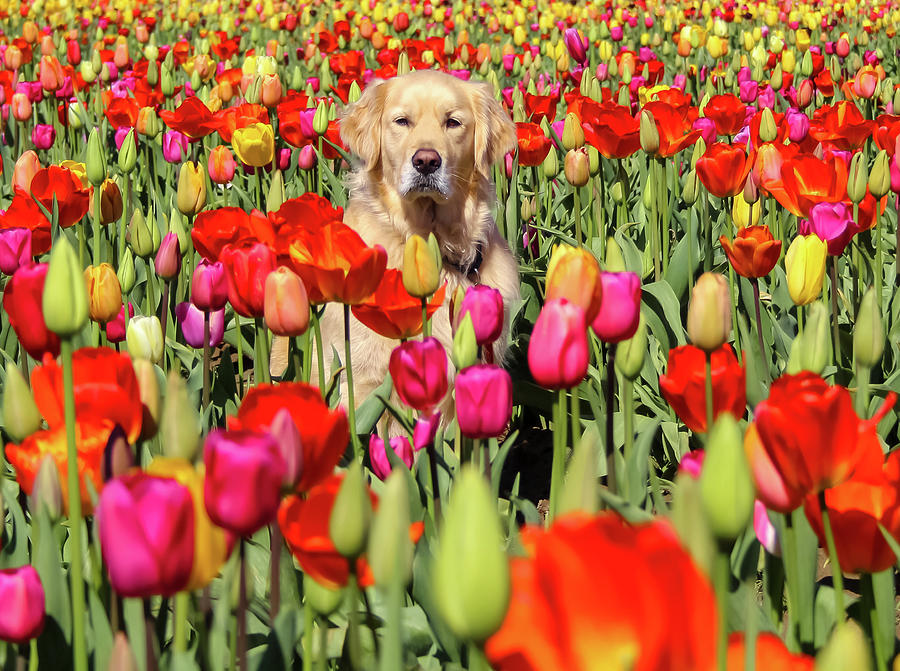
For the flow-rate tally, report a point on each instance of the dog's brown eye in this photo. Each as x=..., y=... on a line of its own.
x=402, y=121
x=453, y=123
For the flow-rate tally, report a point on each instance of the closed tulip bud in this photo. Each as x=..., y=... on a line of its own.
x=286, y=308
x=168, y=258
x=209, y=286
x=649, y=133
x=614, y=261
x=726, y=484
x=691, y=190
x=630, y=353
x=577, y=167
x=144, y=338
x=620, y=307
x=148, y=384
x=390, y=552
x=21, y=417
x=419, y=371
x=776, y=81
x=464, y=352
x=857, y=178
x=470, y=573
x=191, y=194
x=104, y=292
x=320, y=119
x=351, y=514
x=21, y=107
x=306, y=158
x=767, y=130
x=148, y=123
x=709, y=312
x=811, y=350
x=422, y=264
x=550, y=166
x=111, y=204
x=95, y=161
x=880, y=177
x=848, y=648
x=221, y=165
x=128, y=153
x=166, y=80
x=868, y=332
x=323, y=600
x=179, y=427
x=126, y=273
x=558, y=349
x=27, y=166
x=65, y=300
x=805, y=267
x=483, y=400
x=46, y=492
x=573, y=134
x=141, y=235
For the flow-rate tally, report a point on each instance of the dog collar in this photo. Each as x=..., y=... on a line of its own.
x=471, y=269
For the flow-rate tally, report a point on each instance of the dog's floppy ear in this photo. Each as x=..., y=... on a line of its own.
x=361, y=124
x=495, y=133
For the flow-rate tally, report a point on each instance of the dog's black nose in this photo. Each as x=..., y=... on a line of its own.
x=426, y=161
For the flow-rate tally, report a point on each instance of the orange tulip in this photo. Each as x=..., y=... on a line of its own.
x=674, y=128
x=771, y=654
x=723, y=169
x=806, y=181
x=841, y=125
x=392, y=312
x=754, y=251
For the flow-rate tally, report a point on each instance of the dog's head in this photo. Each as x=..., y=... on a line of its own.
x=429, y=134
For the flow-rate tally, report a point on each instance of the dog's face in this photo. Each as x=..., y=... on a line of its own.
x=428, y=133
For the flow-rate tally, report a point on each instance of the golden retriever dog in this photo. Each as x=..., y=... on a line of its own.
x=426, y=141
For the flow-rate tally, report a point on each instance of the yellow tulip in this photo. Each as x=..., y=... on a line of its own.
x=190, y=195
x=805, y=266
x=254, y=145
x=104, y=292
x=210, y=543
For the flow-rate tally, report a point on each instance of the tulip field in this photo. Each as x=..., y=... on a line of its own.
x=671, y=445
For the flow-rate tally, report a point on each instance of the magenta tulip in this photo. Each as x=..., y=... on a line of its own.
x=483, y=400
x=378, y=457
x=485, y=306
x=209, y=286
x=116, y=328
x=576, y=44
x=833, y=223
x=43, y=136
x=306, y=158
x=146, y=526
x=175, y=146
x=191, y=320
x=419, y=372
x=15, y=249
x=22, y=596
x=798, y=124
x=558, y=349
x=244, y=473
x=425, y=430
x=620, y=307
x=168, y=257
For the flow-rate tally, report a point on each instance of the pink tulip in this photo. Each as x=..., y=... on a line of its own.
x=378, y=457
x=558, y=349
x=286, y=434
x=483, y=400
x=692, y=464
x=425, y=430
x=209, y=286
x=620, y=307
x=15, y=249
x=146, y=526
x=43, y=136
x=306, y=158
x=798, y=125
x=748, y=91
x=707, y=128
x=22, y=596
x=175, y=146
x=833, y=223
x=168, y=257
x=616, y=33
x=115, y=329
x=766, y=533
x=576, y=44
x=485, y=306
x=191, y=319
x=419, y=371
x=244, y=473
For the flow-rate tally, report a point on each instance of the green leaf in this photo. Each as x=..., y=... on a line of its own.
x=371, y=410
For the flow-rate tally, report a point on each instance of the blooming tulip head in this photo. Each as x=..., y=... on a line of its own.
x=805, y=266
x=175, y=146
x=209, y=286
x=483, y=400
x=574, y=274
x=104, y=292
x=15, y=249
x=558, y=349
x=419, y=371
x=378, y=457
x=43, y=136
x=22, y=596
x=485, y=306
x=144, y=338
x=221, y=165
x=254, y=145
x=192, y=319
x=833, y=223
x=286, y=305
x=168, y=257
x=620, y=307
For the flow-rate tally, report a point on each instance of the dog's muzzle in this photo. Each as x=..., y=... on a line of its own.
x=425, y=174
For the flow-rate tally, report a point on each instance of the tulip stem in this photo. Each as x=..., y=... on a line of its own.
x=181, y=621
x=759, y=336
x=734, y=321
x=836, y=576
x=76, y=574
x=275, y=543
x=835, y=335
x=559, y=453
x=96, y=248
x=435, y=491
x=241, y=644
x=576, y=192
x=240, y=353
x=477, y=662
x=862, y=390
x=261, y=347
x=206, y=356
x=308, y=619
x=879, y=258
x=164, y=318
x=351, y=402
x=320, y=356
x=871, y=604
x=627, y=397
x=426, y=326
x=709, y=393
x=610, y=401
x=354, y=645
x=722, y=578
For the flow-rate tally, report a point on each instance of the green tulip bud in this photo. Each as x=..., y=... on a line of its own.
x=422, y=263
x=709, y=312
x=550, y=166
x=179, y=426
x=847, y=648
x=390, y=552
x=614, y=260
x=617, y=193
x=75, y=114
x=767, y=130
x=726, y=485
x=196, y=82
x=464, y=352
x=897, y=99
x=354, y=94
x=275, y=199
x=128, y=153
x=65, y=300
x=166, y=80
x=777, y=79
x=596, y=92
x=868, y=332
x=140, y=236
x=176, y=226
x=403, y=64
x=96, y=59
x=698, y=151
x=649, y=133
x=20, y=413
x=857, y=178
x=691, y=190
x=297, y=79
x=351, y=515
x=323, y=600
x=580, y=492
x=470, y=574
x=518, y=112
x=806, y=64
x=815, y=342
x=630, y=353
x=95, y=163
x=46, y=492
x=623, y=97
x=320, y=119
x=252, y=94
x=125, y=272
x=593, y=160
x=573, y=133
x=88, y=73
x=880, y=177
x=144, y=338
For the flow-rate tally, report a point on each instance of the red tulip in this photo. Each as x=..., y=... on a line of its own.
x=247, y=265
x=684, y=385
x=23, y=212
x=723, y=169
x=419, y=371
x=192, y=117
x=22, y=302
x=533, y=144
x=214, y=229
x=72, y=200
x=146, y=526
x=727, y=112
x=392, y=312
x=558, y=349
